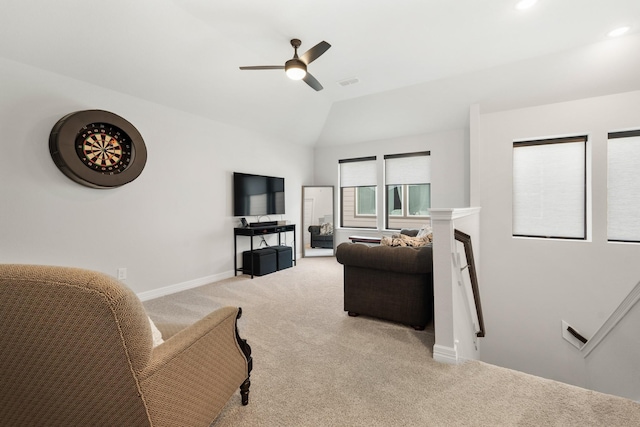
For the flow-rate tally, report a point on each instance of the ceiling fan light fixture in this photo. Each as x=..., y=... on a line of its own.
x=295, y=69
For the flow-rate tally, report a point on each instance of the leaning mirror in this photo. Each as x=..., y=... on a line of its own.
x=317, y=221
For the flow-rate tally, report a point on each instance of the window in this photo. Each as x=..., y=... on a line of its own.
x=623, y=186
x=408, y=189
x=358, y=202
x=549, y=188
x=365, y=201
x=418, y=200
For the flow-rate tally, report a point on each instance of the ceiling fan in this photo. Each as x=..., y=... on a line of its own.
x=296, y=67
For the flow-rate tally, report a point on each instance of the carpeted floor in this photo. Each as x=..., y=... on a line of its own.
x=315, y=366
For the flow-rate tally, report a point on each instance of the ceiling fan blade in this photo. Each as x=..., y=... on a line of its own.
x=264, y=67
x=311, y=81
x=314, y=53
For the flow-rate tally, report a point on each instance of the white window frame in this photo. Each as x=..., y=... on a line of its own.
x=404, y=170
x=405, y=199
x=623, y=186
x=541, y=205
x=355, y=173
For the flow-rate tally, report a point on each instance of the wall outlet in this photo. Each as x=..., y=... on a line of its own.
x=122, y=273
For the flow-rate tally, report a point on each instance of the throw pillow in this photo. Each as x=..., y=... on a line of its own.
x=425, y=230
x=404, y=240
x=155, y=333
x=326, y=229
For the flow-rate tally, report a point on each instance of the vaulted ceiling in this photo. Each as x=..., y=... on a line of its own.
x=420, y=64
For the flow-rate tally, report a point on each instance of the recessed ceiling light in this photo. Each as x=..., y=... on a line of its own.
x=525, y=4
x=618, y=31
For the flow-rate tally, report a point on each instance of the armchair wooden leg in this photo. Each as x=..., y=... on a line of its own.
x=244, y=391
x=246, y=349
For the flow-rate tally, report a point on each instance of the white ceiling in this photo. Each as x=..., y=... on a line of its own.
x=420, y=63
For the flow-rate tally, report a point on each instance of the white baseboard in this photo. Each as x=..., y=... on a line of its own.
x=444, y=354
x=172, y=289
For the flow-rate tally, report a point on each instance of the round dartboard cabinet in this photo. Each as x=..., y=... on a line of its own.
x=97, y=148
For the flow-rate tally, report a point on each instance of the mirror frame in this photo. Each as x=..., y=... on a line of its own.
x=304, y=227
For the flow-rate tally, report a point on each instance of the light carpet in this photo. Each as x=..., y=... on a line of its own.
x=315, y=366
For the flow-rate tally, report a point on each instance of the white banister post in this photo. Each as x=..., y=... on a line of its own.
x=444, y=349
x=455, y=337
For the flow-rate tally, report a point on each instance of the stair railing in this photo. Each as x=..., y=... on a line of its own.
x=465, y=239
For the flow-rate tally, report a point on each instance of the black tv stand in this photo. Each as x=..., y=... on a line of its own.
x=261, y=230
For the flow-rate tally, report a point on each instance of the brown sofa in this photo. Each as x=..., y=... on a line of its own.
x=392, y=283
x=77, y=350
x=319, y=240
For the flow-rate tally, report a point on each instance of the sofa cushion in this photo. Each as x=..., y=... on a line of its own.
x=399, y=259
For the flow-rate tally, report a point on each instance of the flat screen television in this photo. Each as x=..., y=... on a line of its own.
x=255, y=195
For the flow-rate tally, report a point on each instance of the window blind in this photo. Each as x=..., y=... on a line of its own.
x=549, y=188
x=414, y=168
x=623, y=187
x=359, y=172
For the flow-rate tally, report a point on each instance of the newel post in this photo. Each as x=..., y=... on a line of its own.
x=447, y=302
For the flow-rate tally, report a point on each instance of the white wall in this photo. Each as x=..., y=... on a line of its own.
x=620, y=349
x=170, y=227
x=449, y=162
x=529, y=285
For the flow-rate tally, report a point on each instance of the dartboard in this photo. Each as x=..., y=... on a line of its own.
x=104, y=148
x=97, y=148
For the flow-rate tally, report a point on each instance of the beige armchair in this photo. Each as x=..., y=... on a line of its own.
x=76, y=350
